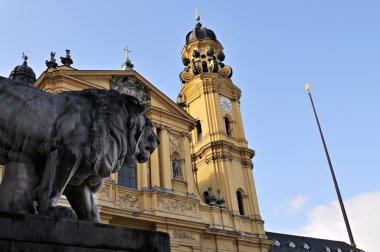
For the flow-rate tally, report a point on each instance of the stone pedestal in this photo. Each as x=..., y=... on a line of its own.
x=26, y=233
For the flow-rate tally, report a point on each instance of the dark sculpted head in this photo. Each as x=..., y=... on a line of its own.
x=129, y=129
x=142, y=141
x=147, y=140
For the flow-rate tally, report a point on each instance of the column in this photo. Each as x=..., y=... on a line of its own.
x=154, y=166
x=143, y=174
x=188, y=169
x=164, y=158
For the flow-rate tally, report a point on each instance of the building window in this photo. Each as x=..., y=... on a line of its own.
x=127, y=176
x=176, y=166
x=291, y=244
x=228, y=125
x=277, y=243
x=199, y=131
x=306, y=246
x=240, y=202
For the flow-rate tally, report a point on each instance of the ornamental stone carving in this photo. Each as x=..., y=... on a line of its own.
x=247, y=163
x=175, y=143
x=105, y=192
x=129, y=201
x=206, y=60
x=221, y=155
x=129, y=85
x=176, y=206
x=183, y=235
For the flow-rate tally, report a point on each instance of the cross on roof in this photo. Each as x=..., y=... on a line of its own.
x=126, y=52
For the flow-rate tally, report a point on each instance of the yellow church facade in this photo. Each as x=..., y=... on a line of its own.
x=198, y=184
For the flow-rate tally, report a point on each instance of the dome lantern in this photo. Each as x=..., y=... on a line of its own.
x=23, y=73
x=200, y=32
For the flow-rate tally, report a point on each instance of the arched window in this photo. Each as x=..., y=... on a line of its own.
x=127, y=176
x=199, y=131
x=228, y=125
x=240, y=202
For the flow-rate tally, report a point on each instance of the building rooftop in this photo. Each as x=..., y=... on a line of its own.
x=294, y=243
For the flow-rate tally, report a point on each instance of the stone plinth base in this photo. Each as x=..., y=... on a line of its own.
x=30, y=233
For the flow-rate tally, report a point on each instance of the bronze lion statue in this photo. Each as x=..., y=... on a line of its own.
x=66, y=144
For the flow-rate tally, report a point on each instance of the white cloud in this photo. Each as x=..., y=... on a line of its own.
x=326, y=221
x=294, y=205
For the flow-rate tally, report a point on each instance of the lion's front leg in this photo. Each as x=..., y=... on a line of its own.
x=82, y=201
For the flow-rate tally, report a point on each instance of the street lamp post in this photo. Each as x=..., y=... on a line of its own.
x=307, y=88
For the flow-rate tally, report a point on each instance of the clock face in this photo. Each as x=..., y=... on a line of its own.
x=226, y=104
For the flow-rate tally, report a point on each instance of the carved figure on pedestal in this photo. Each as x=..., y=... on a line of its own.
x=209, y=197
x=67, y=143
x=176, y=168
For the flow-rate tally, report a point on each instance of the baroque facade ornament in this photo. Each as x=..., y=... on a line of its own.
x=129, y=200
x=204, y=61
x=177, y=234
x=217, y=156
x=175, y=144
x=67, y=61
x=247, y=163
x=129, y=85
x=105, y=192
x=176, y=206
x=52, y=63
x=176, y=166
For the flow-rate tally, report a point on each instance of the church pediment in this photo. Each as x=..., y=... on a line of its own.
x=162, y=109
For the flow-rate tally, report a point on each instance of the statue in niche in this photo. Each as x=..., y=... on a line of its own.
x=66, y=144
x=176, y=165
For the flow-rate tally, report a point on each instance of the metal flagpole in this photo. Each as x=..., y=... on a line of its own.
x=307, y=88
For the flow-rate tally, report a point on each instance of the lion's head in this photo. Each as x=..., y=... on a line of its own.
x=148, y=140
x=142, y=141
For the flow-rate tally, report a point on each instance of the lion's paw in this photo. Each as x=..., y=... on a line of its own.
x=62, y=212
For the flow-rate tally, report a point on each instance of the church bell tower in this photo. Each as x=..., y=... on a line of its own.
x=220, y=154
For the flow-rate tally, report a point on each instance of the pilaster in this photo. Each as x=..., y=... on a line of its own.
x=154, y=167
x=164, y=158
x=188, y=170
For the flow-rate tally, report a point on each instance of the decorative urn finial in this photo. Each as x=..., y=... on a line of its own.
x=52, y=63
x=67, y=61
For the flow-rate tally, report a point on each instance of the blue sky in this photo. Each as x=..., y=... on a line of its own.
x=273, y=48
